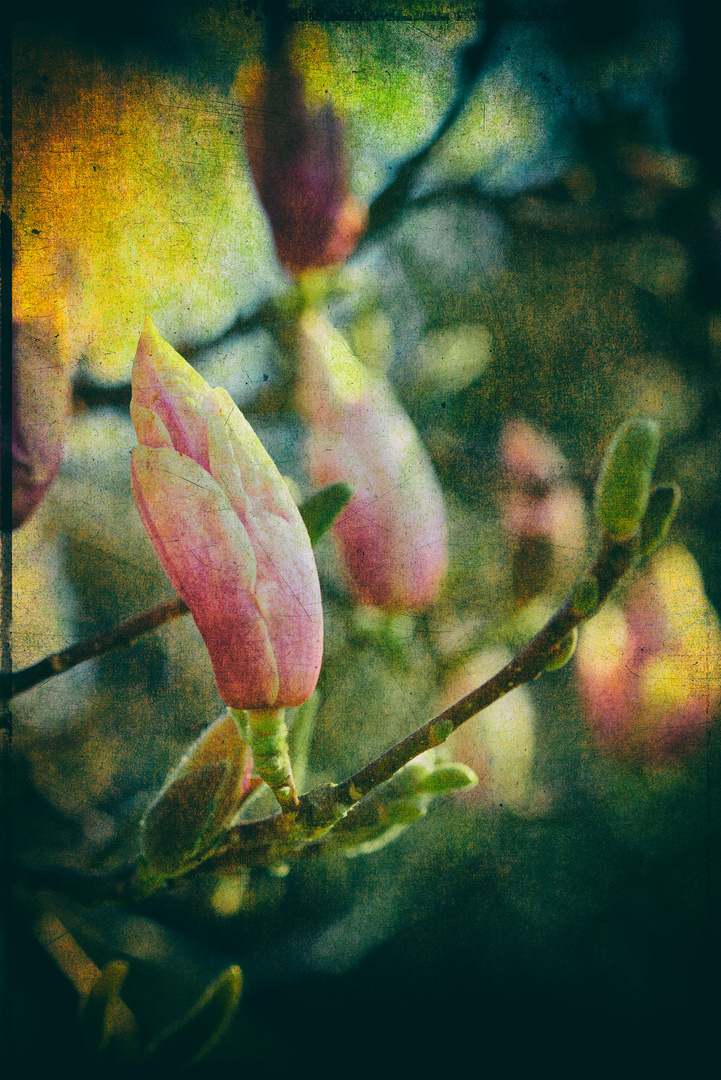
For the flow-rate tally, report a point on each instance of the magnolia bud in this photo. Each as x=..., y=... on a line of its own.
x=392, y=533
x=227, y=532
x=650, y=670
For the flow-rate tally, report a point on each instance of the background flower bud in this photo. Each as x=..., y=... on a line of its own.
x=227, y=532
x=295, y=152
x=43, y=366
x=542, y=510
x=650, y=670
x=392, y=534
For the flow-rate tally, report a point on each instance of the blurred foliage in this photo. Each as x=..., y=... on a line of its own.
x=560, y=261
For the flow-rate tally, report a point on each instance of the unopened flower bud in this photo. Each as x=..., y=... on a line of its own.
x=563, y=652
x=650, y=670
x=392, y=534
x=227, y=532
x=542, y=511
x=295, y=152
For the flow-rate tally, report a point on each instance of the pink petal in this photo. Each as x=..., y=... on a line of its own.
x=208, y=557
x=169, y=387
x=287, y=592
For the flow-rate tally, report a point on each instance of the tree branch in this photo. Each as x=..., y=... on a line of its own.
x=18, y=682
x=301, y=832
x=281, y=836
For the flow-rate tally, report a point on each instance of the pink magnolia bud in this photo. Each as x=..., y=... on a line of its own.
x=227, y=532
x=43, y=365
x=650, y=671
x=542, y=511
x=295, y=152
x=392, y=534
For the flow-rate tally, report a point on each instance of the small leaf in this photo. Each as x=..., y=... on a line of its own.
x=662, y=506
x=448, y=776
x=623, y=486
x=405, y=813
x=177, y=822
x=320, y=510
x=101, y=1012
x=197, y=1032
x=563, y=651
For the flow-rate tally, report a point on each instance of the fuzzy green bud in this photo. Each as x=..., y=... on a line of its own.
x=563, y=651
x=446, y=777
x=662, y=506
x=622, y=491
x=585, y=598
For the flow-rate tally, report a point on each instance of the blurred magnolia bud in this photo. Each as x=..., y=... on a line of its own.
x=542, y=511
x=295, y=150
x=650, y=670
x=43, y=366
x=392, y=534
x=499, y=743
x=199, y=798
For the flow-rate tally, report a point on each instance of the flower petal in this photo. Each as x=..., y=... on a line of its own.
x=287, y=591
x=209, y=559
x=169, y=387
x=149, y=428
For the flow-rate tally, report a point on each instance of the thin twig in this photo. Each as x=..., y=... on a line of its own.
x=124, y=634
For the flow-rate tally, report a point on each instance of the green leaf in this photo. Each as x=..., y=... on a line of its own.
x=448, y=776
x=301, y=736
x=624, y=483
x=197, y=1032
x=662, y=506
x=563, y=651
x=320, y=510
x=96, y=1010
x=176, y=824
